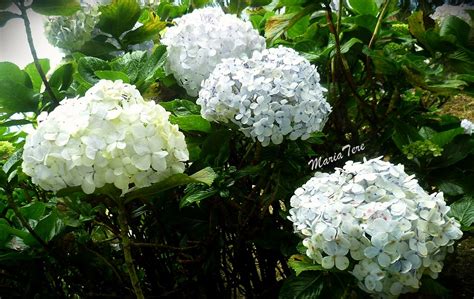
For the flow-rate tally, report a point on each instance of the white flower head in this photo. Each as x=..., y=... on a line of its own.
x=109, y=136
x=272, y=95
x=468, y=126
x=201, y=39
x=374, y=220
x=446, y=10
x=71, y=32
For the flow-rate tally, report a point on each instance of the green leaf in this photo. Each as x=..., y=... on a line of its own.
x=365, y=7
x=455, y=27
x=15, y=122
x=13, y=161
x=463, y=211
x=56, y=7
x=12, y=72
x=97, y=48
x=147, y=31
x=404, y=134
x=301, y=263
x=204, y=176
x=195, y=197
x=432, y=287
x=131, y=64
x=215, y=149
x=112, y=75
x=49, y=227
x=6, y=16
x=308, y=285
x=62, y=78
x=191, y=123
x=181, y=107
x=87, y=66
x=450, y=188
x=31, y=70
x=34, y=210
x=119, y=16
x=15, y=97
x=443, y=138
x=259, y=3
x=348, y=45
x=365, y=21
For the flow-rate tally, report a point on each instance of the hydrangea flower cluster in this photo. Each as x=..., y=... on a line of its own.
x=446, y=10
x=376, y=221
x=109, y=136
x=468, y=126
x=273, y=94
x=72, y=32
x=201, y=39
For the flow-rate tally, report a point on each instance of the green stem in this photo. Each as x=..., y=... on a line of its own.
x=24, y=15
x=379, y=23
x=127, y=251
x=25, y=223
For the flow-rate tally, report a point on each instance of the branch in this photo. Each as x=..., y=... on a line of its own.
x=127, y=252
x=24, y=15
x=25, y=223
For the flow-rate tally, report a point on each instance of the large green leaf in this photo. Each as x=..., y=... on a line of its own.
x=56, y=7
x=47, y=228
x=15, y=97
x=11, y=71
x=119, y=16
x=149, y=30
x=34, y=210
x=196, y=197
x=204, y=176
x=308, y=285
x=456, y=28
x=445, y=137
x=6, y=16
x=62, y=78
x=35, y=77
x=463, y=211
x=87, y=66
x=191, y=123
x=301, y=263
x=365, y=7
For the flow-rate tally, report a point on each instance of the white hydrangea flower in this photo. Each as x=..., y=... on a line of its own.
x=70, y=33
x=446, y=10
x=109, y=136
x=273, y=94
x=201, y=39
x=468, y=126
x=374, y=216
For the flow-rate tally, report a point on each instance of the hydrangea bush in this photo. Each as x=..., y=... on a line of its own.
x=201, y=39
x=375, y=221
x=70, y=33
x=109, y=136
x=273, y=94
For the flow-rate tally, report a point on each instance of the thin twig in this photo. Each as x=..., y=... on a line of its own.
x=127, y=251
x=24, y=15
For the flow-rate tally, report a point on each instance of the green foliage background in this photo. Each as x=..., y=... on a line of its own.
x=223, y=232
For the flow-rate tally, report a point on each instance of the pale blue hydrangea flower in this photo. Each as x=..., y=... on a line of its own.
x=271, y=96
x=376, y=217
